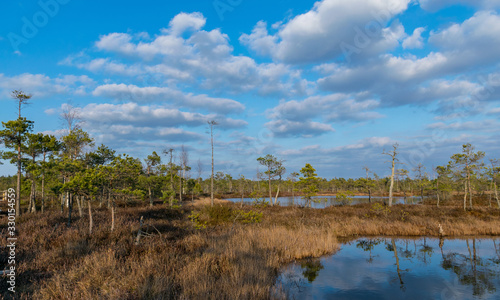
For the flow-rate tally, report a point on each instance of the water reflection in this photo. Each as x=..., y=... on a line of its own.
x=368, y=245
x=472, y=270
x=395, y=268
x=311, y=269
x=325, y=201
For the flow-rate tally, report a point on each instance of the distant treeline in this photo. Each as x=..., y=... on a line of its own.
x=61, y=171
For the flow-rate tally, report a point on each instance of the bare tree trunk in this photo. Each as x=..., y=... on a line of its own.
x=43, y=191
x=212, y=124
x=70, y=208
x=91, y=223
x=465, y=195
x=113, y=216
x=180, y=189
x=496, y=194
x=270, y=192
x=470, y=190
x=62, y=203
x=212, y=177
x=33, y=195
x=80, y=213
x=19, y=174
x=171, y=179
x=30, y=204
x=150, y=197
x=392, y=181
x=277, y=193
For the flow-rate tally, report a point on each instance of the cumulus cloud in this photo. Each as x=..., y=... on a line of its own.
x=297, y=118
x=331, y=26
x=150, y=116
x=415, y=41
x=183, y=21
x=419, y=80
x=185, y=53
x=42, y=86
x=288, y=128
x=334, y=107
x=165, y=94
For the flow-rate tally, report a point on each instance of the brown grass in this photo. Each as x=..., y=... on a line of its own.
x=398, y=220
x=227, y=260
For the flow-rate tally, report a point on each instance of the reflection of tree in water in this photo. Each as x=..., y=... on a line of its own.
x=368, y=245
x=393, y=248
x=471, y=270
x=497, y=251
x=311, y=269
x=425, y=251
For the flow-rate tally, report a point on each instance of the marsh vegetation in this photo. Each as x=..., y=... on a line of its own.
x=92, y=223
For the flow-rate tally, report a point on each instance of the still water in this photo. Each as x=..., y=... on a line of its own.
x=325, y=201
x=395, y=268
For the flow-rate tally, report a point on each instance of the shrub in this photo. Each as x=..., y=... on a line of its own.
x=344, y=198
x=195, y=218
x=249, y=217
x=219, y=214
x=378, y=209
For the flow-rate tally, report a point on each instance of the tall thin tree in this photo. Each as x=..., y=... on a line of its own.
x=170, y=152
x=211, y=125
x=22, y=99
x=393, y=154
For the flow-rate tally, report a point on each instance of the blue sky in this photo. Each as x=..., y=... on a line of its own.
x=333, y=83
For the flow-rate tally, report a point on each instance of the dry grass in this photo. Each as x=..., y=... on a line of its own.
x=206, y=201
x=227, y=260
x=244, y=263
x=398, y=220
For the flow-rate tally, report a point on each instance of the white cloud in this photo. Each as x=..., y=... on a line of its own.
x=371, y=145
x=165, y=94
x=319, y=34
x=495, y=110
x=475, y=36
x=414, y=80
x=116, y=42
x=287, y=128
x=197, y=57
x=299, y=118
x=42, y=86
x=183, y=21
x=435, y=5
x=259, y=40
x=150, y=116
x=415, y=41
x=334, y=107
x=483, y=125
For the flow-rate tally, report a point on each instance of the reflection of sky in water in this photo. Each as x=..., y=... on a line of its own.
x=348, y=274
x=330, y=200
